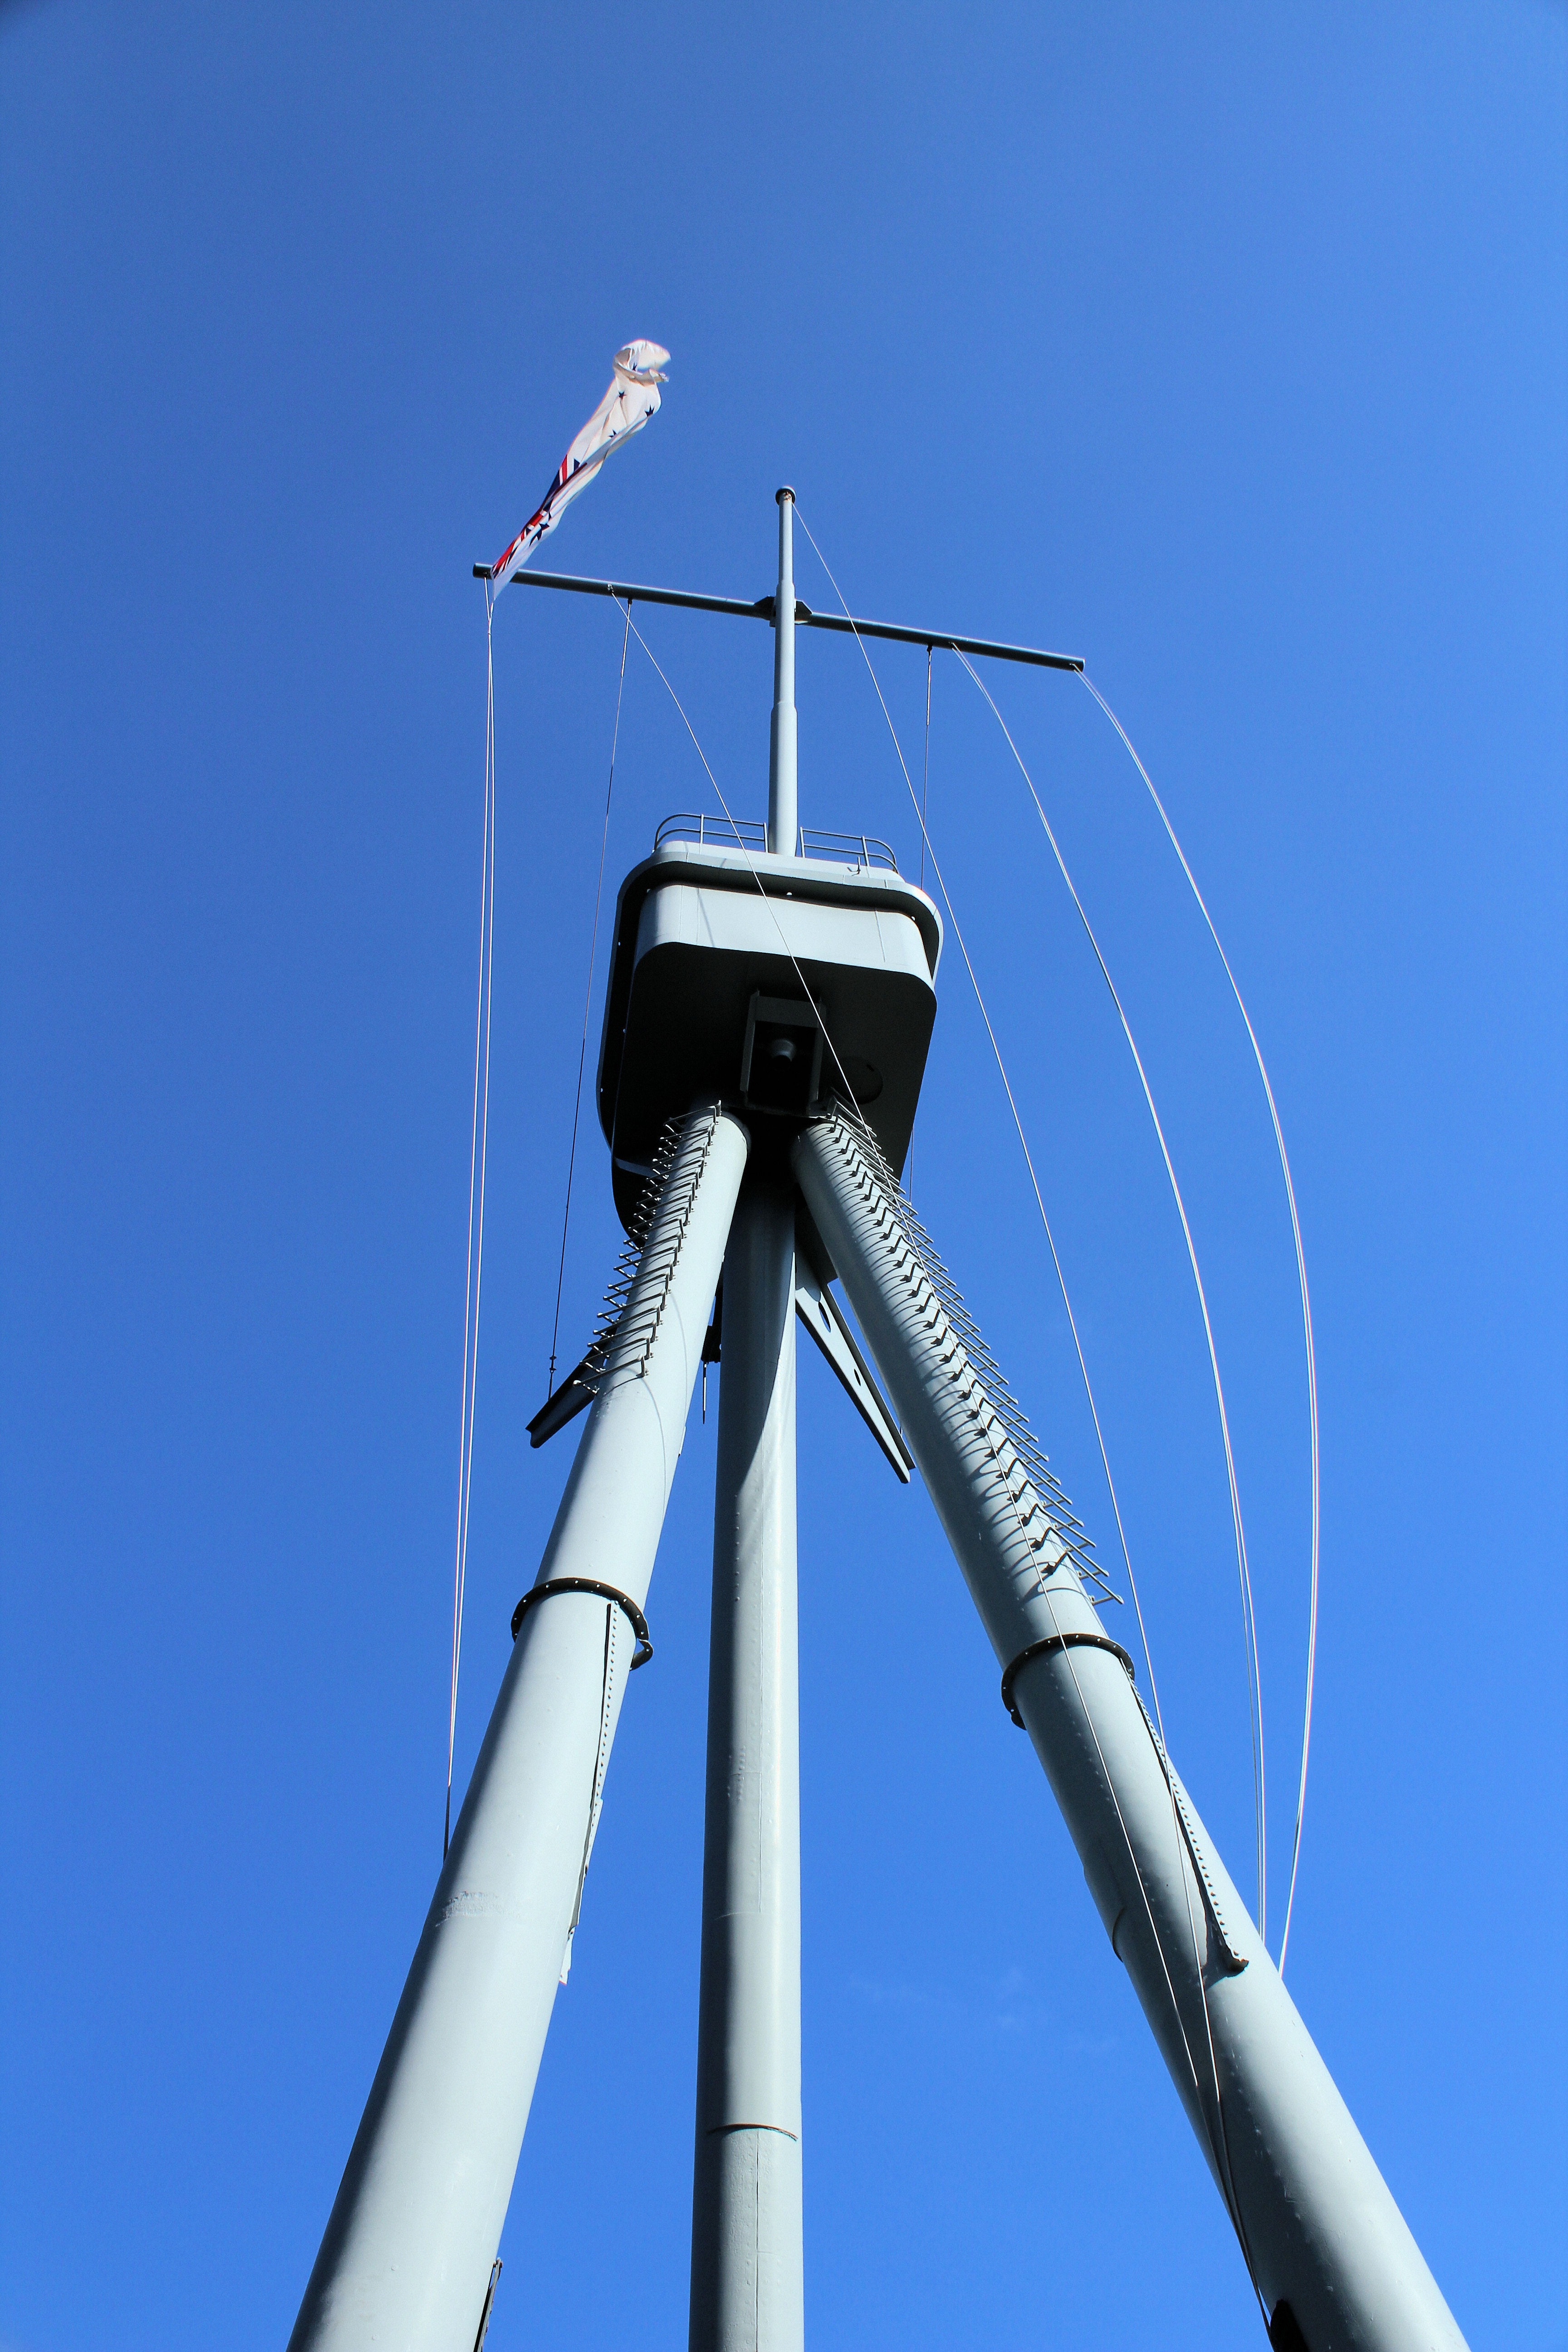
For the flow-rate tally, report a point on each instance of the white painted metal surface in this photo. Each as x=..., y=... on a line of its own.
x=406, y=2262
x=741, y=922
x=1318, y=2226
x=747, y=2292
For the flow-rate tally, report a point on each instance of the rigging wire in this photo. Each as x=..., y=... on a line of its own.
x=587, y=1000
x=995, y=1048
x=1306, y=1301
x=815, y=1009
x=929, y=846
x=477, y=1151
x=1222, y=2150
x=1249, y=1621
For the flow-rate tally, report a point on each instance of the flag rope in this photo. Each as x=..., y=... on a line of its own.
x=478, y=1153
x=587, y=1000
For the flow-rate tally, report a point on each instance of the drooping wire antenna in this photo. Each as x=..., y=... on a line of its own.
x=1220, y=2147
x=587, y=1000
x=1306, y=1302
x=478, y=1148
x=1243, y=1573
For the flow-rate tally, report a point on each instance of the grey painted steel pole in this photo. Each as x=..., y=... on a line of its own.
x=746, y=2255
x=784, y=820
x=406, y=2262
x=1319, y=2230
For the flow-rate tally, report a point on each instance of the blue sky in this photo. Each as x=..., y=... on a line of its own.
x=1223, y=346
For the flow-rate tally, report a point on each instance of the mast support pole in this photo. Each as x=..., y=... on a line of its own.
x=747, y=2292
x=409, y=2252
x=1327, y=2249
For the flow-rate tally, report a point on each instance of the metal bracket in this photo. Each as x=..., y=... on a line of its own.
x=574, y=1396
x=1058, y=1641
x=489, y=2299
x=619, y=1599
x=819, y=1311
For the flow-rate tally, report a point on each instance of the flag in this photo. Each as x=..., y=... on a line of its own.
x=631, y=400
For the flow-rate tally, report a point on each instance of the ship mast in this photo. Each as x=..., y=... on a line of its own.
x=766, y=1025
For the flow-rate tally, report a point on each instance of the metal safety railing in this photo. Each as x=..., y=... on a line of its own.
x=861, y=851
x=722, y=831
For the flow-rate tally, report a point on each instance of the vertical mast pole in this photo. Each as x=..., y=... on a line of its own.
x=747, y=2267
x=783, y=814
x=747, y=2293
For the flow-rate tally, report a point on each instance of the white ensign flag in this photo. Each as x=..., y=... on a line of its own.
x=631, y=400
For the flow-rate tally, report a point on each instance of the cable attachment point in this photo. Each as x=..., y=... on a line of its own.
x=1058, y=1641
x=627, y=1607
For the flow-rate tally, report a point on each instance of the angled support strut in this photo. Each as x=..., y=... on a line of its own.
x=407, y=2255
x=1327, y=2249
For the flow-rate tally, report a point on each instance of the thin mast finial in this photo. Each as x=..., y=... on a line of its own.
x=783, y=797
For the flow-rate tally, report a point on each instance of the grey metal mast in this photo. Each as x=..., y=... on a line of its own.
x=765, y=1031
x=747, y=2257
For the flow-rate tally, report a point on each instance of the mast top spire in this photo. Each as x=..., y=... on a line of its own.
x=783, y=812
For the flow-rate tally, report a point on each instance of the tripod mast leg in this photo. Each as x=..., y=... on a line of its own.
x=746, y=2261
x=407, y=2253
x=1327, y=2246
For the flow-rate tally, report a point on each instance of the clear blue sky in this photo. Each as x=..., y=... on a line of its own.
x=1225, y=346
